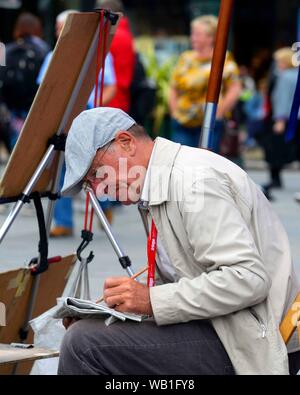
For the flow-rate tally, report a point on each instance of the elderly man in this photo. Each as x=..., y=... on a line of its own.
x=223, y=260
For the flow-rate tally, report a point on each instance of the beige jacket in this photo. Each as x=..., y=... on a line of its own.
x=230, y=252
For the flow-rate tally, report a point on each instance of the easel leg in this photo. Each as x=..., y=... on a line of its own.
x=124, y=260
x=29, y=189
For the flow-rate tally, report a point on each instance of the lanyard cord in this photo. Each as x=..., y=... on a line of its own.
x=152, y=249
x=86, y=217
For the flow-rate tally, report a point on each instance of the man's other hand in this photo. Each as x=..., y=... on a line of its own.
x=127, y=296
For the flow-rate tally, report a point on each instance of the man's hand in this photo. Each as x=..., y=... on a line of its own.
x=127, y=296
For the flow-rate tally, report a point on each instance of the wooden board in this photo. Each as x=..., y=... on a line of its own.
x=15, y=293
x=11, y=355
x=291, y=321
x=51, y=102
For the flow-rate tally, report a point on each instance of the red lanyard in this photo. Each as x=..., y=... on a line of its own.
x=152, y=249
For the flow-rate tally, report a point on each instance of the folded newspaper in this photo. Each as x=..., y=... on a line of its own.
x=78, y=308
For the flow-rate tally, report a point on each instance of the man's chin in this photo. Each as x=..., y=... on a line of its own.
x=128, y=203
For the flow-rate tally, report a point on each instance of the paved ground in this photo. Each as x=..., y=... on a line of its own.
x=20, y=244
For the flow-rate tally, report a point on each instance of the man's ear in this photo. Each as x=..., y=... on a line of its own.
x=126, y=142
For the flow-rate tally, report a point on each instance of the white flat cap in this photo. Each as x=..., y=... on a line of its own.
x=90, y=131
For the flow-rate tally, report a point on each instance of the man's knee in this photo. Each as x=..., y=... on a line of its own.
x=71, y=334
x=81, y=348
x=72, y=350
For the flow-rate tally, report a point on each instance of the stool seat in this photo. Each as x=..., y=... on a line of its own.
x=12, y=355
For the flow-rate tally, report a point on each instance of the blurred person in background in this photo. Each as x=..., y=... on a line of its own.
x=24, y=58
x=255, y=111
x=136, y=94
x=4, y=127
x=63, y=213
x=278, y=152
x=122, y=51
x=189, y=86
x=261, y=63
x=247, y=92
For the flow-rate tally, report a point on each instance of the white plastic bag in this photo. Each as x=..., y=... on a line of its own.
x=48, y=331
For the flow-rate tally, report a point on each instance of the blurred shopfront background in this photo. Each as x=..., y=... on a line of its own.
x=162, y=28
x=257, y=24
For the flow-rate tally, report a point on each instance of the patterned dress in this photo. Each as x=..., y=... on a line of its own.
x=190, y=79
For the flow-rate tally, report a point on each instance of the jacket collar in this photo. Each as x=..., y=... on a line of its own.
x=160, y=169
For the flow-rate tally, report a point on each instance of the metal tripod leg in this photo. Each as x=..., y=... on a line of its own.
x=27, y=192
x=124, y=260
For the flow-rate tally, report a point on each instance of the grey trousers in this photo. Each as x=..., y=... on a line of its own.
x=91, y=348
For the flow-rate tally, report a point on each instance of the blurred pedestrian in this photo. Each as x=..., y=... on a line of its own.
x=5, y=137
x=255, y=111
x=63, y=213
x=278, y=152
x=189, y=86
x=24, y=57
x=247, y=92
x=122, y=50
x=136, y=93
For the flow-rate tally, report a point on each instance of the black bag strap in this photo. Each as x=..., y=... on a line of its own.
x=43, y=243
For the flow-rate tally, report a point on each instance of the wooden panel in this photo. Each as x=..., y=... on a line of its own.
x=10, y=355
x=15, y=293
x=51, y=102
x=2, y=315
x=291, y=321
x=52, y=284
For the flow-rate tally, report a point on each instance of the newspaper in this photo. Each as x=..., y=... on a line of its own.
x=79, y=308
